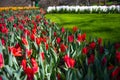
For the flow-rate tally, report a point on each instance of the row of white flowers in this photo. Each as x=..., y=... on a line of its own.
x=83, y=8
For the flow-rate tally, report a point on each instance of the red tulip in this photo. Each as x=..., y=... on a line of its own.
x=99, y=41
x=92, y=45
x=3, y=41
x=91, y=59
x=58, y=76
x=58, y=40
x=30, y=74
x=30, y=71
x=32, y=37
x=46, y=46
x=66, y=57
x=75, y=29
x=46, y=23
x=27, y=32
x=1, y=60
x=62, y=29
x=55, y=34
x=81, y=37
x=42, y=11
x=14, y=25
x=28, y=52
x=38, y=40
x=24, y=41
x=23, y=21
x=4, y=30
x=34, y=30
x=44, y=40
x=85, y=50
x=118, y=56
x=42, y=56
x=62, y=48
x=1, y=78
x=71, y=38
x=1, y=26
x=101, y=49
x=16, y=51
x=104, y=60
x=110, y=67
x=117, y=46
x=44, y=32
x=115, y=72
x=17, y=45
x=34, y=65
x=21, y=27
x=23, y=64
x=11, y=18
x=30, y=77
x=70, y=62
x=38, y=17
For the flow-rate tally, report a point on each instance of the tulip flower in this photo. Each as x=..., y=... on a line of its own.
x=32, y=37
x=62, y=48
x=24, y=41
x=1, y=60
x=92, y=45
x=1, y=78
x=70, y=38
x=34, y=65
x=62, y=29
x=91, y=59
x=58, y=40
x=75, y=29
x=16, y=51
x=42, y=56
x=70, y=62
x=81, y=37
x=4, y=30
x=29, y=52
x=99, y=41
x=85, y=50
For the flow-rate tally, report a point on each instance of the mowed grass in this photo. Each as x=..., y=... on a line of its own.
x=105, y=26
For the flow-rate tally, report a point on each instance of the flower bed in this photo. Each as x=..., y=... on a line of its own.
x=34, y=48
x=84, y=9
x=17, y=8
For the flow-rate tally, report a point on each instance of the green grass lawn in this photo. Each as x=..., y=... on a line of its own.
x=106, y=26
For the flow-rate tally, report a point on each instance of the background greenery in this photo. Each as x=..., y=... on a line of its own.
x=106, y=26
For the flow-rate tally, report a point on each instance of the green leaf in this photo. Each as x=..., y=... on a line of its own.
x=10, y=60
x=54, y=55
x=9, y=70
x=0, y=47
x=4, y=77
x=12, y=38
x=35, y=45
x=15, y=62
x=35, y=77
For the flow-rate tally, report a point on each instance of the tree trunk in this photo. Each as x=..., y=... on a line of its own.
x=104, y=2
x=77, y=2
x=99, y=2
x=89, y=2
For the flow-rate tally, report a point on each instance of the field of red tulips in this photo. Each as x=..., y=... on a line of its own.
x=34, y=48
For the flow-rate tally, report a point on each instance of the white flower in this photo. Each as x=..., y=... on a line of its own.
x=83, y=8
